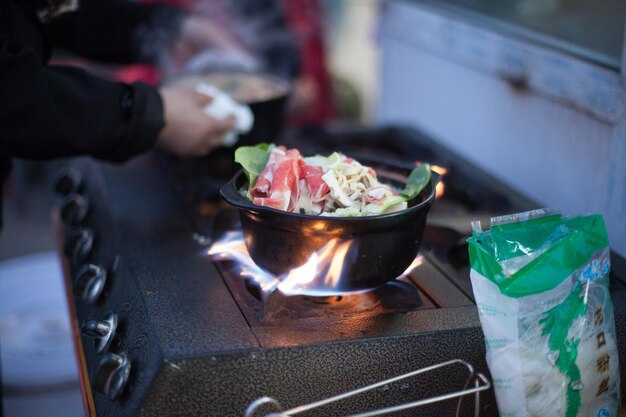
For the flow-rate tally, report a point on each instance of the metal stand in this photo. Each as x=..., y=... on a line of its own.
x=480, y=382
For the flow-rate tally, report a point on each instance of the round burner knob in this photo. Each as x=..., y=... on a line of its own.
x=68, y=181
x=102, y=331
x=111, y=375
x=74, y=208
x=90, y=282
x=79, y=245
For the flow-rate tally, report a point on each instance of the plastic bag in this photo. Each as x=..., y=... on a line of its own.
x=541, y=283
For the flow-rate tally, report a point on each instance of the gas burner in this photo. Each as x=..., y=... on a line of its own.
x=265, y=298
x=276, y=307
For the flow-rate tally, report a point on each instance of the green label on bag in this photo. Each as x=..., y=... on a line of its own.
x=552, y=247
x=556, y=325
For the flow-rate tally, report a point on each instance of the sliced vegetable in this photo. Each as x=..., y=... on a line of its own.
x=335, y=189
x=417, y=181
x=253, y=159
x=323, y=161
x=384, y=206
x=344, y=212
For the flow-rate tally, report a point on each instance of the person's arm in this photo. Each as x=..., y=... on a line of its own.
x=117, y=31
x=48, y=112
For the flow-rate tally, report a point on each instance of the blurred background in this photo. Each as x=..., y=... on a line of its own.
x=532, y=91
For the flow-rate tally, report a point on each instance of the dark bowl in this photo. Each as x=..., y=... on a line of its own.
x=381, y=247
x=266, y=95
x=269, y=114
x=269, y=119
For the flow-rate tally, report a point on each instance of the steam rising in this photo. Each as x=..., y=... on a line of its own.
x=267, y=45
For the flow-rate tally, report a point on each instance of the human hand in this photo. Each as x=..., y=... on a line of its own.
x=188, y=131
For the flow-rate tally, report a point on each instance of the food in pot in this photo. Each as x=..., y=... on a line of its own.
x=335, y=185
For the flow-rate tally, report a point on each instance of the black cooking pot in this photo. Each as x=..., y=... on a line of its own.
x=266, y=95
x=381, y=247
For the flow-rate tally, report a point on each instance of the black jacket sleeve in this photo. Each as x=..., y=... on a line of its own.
x=48, y=112
x=117, y=31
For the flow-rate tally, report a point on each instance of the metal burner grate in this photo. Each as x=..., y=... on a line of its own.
x=261, y=308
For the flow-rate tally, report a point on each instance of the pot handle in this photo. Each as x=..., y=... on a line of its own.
x=434, y=180
x=230, y=192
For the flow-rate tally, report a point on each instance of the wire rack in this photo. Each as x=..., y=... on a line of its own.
x=474, y=384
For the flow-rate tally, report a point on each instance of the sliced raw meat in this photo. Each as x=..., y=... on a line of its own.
x=283, y=177
x=377, y=194
x=313, y=178
x=264, y=181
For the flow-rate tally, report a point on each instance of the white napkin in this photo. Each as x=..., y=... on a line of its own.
x=223, y=106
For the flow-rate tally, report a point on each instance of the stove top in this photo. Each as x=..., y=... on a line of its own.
x=194, y=337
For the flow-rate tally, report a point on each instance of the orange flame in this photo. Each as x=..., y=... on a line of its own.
x=439, y=170
x=416, y=262
x=320, y=275
x=323, y=269
x=232, y=247
x=440, y=185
